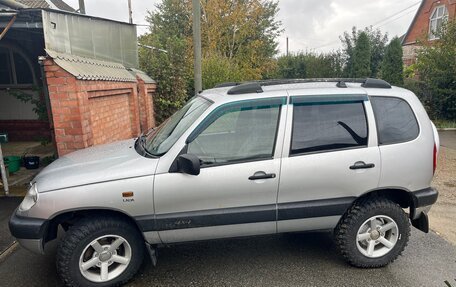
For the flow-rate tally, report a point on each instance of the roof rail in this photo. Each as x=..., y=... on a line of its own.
x=246, y=88
x=227, y=84
x=376, y=83
x=256, y=86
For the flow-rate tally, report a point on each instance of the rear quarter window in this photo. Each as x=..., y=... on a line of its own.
x=396, y=122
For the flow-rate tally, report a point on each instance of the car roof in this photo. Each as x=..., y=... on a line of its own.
x=305, y=87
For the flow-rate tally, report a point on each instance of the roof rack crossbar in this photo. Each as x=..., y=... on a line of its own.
x=256, y=86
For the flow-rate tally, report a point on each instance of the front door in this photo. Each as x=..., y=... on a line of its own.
x=236, y=191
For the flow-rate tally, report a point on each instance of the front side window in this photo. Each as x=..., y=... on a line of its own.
x=396, y=121
x=237, y=133
x=321, y=127
x=438, y=17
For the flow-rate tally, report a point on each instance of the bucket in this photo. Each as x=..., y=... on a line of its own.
x=31, y=162
x=3, y=137
x=13, y=162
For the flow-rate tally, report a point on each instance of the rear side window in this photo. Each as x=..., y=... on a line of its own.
x=396, y=121
x=328, y=126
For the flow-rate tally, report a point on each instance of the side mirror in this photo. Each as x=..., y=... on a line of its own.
x=189, y=163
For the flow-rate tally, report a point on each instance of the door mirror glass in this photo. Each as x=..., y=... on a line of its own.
x=189, y=164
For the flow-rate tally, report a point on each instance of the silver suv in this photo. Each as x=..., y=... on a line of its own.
x=267, y=157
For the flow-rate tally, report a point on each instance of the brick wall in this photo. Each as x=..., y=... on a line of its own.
x=420, y=27
x=26, y=130
x=87, y=113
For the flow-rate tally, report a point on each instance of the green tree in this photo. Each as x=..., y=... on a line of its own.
x=392, y=67
x=362, y=57
x=218, y=69
x=169, y=26
x=309, y=65
x=377, y=42
x=240, y=35
x=436, y=67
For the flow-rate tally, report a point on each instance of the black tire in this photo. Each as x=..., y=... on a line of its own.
x=82, y=233
x=347, y=230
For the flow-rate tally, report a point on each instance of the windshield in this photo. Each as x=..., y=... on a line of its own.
x=160, y=140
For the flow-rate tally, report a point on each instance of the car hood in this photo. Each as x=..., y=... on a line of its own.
x=102, y=163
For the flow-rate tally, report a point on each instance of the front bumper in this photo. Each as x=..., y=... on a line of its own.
x=29, y=232
x=422, y=200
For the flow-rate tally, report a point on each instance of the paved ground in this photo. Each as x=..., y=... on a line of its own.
x=286, y=260
x=7, y=205
x=308, y=259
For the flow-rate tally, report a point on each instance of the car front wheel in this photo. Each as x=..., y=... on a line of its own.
x=101, y=251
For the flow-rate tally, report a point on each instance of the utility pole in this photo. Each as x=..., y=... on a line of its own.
x=197, y=45
x=82, y=8
x=287, y=46
x=130, y=12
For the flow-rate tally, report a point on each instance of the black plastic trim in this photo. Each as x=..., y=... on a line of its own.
x=314, y=208
x=424, y=197
x=247, y=214
x=27, y=227
x=376, y=83
x=246, y=88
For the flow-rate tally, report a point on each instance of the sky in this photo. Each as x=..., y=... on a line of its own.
x=310, y=25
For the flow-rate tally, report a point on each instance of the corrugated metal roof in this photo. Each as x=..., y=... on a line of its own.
x=59, y=4
x=62, y=5
x=35, y=3
x=91, y=69
x=143, y=76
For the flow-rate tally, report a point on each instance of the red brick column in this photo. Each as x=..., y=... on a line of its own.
x=146, y=104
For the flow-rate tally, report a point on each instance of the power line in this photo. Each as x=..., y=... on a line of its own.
x=378, y=22
x=397, y=13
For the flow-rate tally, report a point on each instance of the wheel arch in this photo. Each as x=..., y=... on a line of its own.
x=68, y=217
x=400, y=196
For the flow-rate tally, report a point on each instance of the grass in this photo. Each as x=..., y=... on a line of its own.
x=445, y=124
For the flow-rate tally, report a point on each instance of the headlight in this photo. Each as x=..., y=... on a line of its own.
x=30, y=198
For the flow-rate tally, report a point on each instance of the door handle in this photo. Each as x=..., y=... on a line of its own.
x=362, y=165
x=262, y=175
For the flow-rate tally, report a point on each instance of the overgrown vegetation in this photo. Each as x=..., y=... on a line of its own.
x=436, y=67
x=239, y=43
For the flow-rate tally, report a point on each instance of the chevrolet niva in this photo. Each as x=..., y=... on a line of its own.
x=353, y=156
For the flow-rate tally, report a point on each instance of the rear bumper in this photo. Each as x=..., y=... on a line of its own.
x=422, y=201
x=29, y=232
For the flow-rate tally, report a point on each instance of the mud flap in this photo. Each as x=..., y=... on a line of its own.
x=152, y=253
x=421, y=223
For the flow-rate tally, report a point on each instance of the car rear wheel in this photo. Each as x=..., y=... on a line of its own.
x=373, y=233
x=106, y=251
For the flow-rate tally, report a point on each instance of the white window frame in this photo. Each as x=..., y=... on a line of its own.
x=433, y=21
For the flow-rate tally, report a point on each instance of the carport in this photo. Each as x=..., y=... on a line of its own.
x=70, y=80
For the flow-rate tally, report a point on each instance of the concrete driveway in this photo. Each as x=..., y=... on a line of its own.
x=308, y=259
x=448, y=139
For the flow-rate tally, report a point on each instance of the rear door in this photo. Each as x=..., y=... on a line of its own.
x=330, y=158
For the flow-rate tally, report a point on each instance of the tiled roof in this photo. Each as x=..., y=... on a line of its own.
x=45, y=4
x=91, y=69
